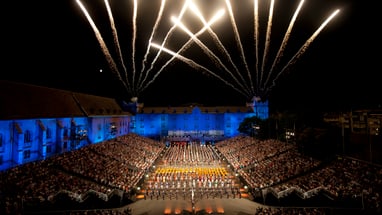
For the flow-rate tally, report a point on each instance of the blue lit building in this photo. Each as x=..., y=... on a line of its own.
x=193, y=122
x=39, y=122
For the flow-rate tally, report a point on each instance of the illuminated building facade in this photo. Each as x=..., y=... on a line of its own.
x=39, y=122
x=193, y=122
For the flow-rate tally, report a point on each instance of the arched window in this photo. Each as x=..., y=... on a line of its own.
x=48, y=133
x=27, y=138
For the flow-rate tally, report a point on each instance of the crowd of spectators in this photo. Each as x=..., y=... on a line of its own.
x=343, y=179
x=123, y=211
x=263, y=163
x=289, y=211
x=111, y=167
x=276, y=167
x=189, y=170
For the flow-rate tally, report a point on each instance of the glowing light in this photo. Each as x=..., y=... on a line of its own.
x=267, y=39
x=256, y=36
x=116, y=40
x=102, y=44
x=144, y=61
x=238, y=41
x=230, y=75
x=284, y=42
x=206, y=50
x=304, y=47
x=221, y=48
x=196, y=66
x=134, y=38
x=164, y=49
x=168, y=35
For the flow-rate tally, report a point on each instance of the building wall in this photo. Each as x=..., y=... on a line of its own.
x=195, y=124
x=27, y=140
x=359, y=121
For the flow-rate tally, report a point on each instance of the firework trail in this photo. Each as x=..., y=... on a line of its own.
x=206, y=50
x=256, y=37
x=196, y=66
x=304, y=47
x=169, y=33
x=159, y=17
x=135, y=85
x=284, y=42
x=268, y=38
x=217, y=41
x=102, y=44
x=116, y=40
x=184, y=47
x=238, y=41
x=133, y=40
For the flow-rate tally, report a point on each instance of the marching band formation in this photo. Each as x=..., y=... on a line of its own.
x=191, y=170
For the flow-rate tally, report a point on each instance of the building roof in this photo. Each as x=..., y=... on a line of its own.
x=27, y=101
x=98, y=106
x=191, y=108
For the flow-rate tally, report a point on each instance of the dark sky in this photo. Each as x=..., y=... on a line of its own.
x=51, y=43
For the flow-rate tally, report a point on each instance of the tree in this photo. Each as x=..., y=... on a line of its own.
x=254, y=126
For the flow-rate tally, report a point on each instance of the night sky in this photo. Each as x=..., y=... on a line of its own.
x=51, y=43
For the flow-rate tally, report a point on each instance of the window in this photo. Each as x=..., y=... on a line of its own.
x=48, y=133
x=27, y=154
x=27, y=136
x=27, y=139
x=48, y=149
